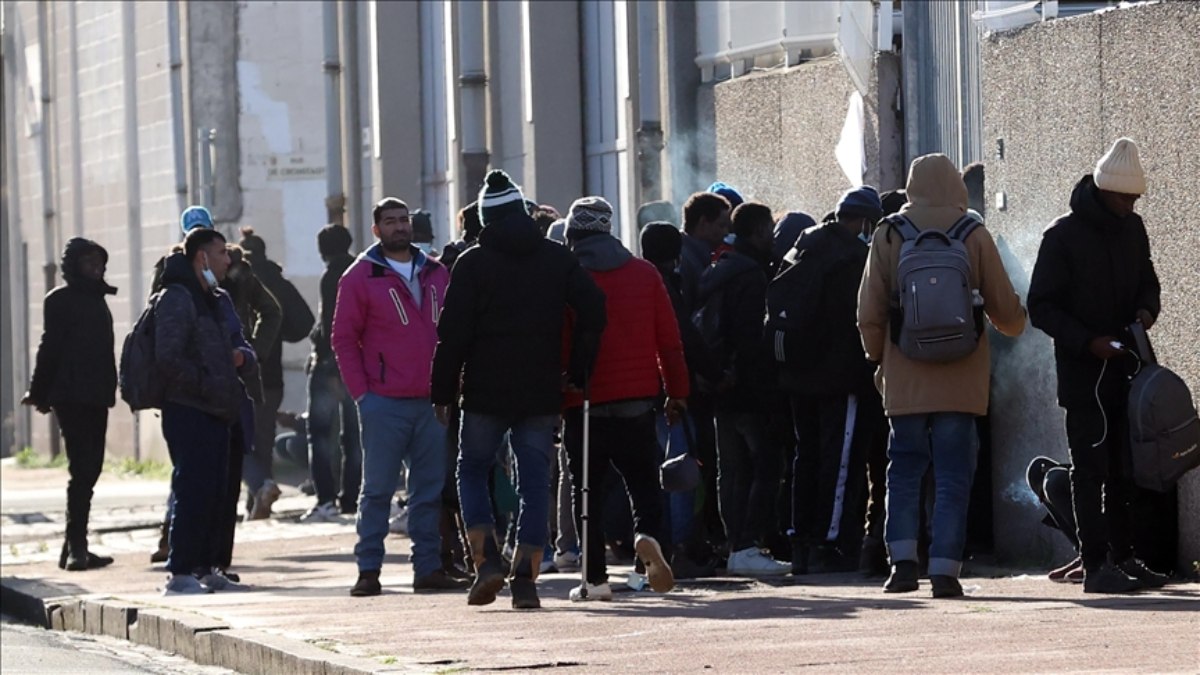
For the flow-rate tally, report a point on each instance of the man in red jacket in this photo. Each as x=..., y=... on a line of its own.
x=640, y=349
x=384, y=333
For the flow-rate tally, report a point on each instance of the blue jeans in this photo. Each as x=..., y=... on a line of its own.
x=532, y=445
x=399, y=431
x=948, y=440
x=327, y=400
x=681, y=506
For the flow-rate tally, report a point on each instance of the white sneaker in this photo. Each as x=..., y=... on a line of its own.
x=751, y=562
x=322, y=513
x=184, y=584
x=602, y=592
x=567, y=562
x=399, y=522
x=217, y=581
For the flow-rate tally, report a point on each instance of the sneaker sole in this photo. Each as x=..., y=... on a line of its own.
x=662, y=579
x=759, y=573
x=902, y=588
x=485, y=589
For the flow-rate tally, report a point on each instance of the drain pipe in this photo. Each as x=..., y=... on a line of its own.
x=50, y=269
x=472, y=82
x=351, y=120
x=76, y=132
x=650, y=132
x=335, y=202
x=178, y=135
x=133, y=187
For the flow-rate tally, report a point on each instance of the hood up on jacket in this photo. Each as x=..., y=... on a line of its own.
x=516, y=235
x=1085, y=203
x=937, y=196
x=76, y=249
x=600, y=252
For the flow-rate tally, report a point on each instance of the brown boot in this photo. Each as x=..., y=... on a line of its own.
x=489, y=572
x=523, y=577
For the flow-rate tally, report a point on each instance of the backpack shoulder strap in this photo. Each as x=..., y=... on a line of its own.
x=903, y=226
x=963, y=227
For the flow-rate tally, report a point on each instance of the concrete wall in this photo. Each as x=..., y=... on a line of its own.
x=776, y=133
x=1057, y=94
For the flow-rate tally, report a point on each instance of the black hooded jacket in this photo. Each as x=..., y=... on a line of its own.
x=335, y=267
x=739, y=282
x=193, y=345
x=1093, y=273
x=502, y=325
x=76, y=363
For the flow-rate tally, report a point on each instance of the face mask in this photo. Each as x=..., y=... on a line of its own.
x=426, y=248
x=864, y=238
x=209, y=278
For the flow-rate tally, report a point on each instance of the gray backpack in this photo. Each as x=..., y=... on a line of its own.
x=939, y=315
x=1164, y=430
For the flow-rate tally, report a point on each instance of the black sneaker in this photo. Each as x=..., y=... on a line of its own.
x=1108, y=578
x=945, y=586
x=524, y=593
x=872, y=559
x=903, y=578
x=1138, y=570
x=439, y=581
x=367, y=584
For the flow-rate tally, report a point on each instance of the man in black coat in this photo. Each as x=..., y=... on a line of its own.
x=500, y=335
x=1093, y=278
x=76, y=377
x=836, y=410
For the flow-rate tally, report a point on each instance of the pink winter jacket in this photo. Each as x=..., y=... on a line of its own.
x=383, y=342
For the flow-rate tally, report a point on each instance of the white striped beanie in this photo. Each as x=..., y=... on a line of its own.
x=500, y=198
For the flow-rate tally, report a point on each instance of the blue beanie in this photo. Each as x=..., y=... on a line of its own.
x=860, y=202
x=193, y=217
x=728, y=192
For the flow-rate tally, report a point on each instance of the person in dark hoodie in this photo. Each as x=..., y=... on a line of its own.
x=748, y=462
x=836, y=411
x=1093, y=278
x=468, y=228
x=328, y=403
x=640, y=351
x=197, y=357
x=75, y=375
x=500, y=347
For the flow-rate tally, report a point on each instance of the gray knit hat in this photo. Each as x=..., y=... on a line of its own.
x=590, y=214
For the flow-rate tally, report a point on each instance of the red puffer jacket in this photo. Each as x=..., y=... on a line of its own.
x=640, y=348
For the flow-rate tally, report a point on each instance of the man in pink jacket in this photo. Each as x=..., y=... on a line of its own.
x=384, y=333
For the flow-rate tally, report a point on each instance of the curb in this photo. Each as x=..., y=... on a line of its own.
x=202, y=639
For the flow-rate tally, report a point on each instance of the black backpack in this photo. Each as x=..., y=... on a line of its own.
x=141, y=385
x=298, y=319
x=1163, y=427
x=793, y=309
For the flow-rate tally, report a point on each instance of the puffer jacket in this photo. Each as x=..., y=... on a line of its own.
x=383, y=336
x=738, y=282
x=640, y=349
x=193, y=346
x=937, y=198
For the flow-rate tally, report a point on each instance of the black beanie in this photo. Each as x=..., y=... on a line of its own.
x=500, y=198
x=253, y=244
x=662, y=242
x=334, y=239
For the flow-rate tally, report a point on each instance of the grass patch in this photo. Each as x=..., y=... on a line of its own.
x=28, y=458
x=387, y=660
x=132, y=468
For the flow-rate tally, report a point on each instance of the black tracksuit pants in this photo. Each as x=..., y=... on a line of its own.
x=83, y=429
x=1101, y=480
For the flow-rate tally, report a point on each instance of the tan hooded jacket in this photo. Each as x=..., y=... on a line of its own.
x=937, y=198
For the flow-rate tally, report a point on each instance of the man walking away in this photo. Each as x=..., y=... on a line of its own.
x=76, y=376
x=384, y=332
x=639, y=352
x=932, y=406
x=195, y=354
x=1093, y=278
x=329, y=406
x=500, y=337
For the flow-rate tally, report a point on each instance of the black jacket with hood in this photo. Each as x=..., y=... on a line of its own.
x=501, y=327
x=832, y=361
x=739, y=283
x=193, y=346
x=1093, y=273
x=76, y=362
x=335, y=267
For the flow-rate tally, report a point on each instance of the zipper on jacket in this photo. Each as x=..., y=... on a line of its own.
x=433, y=296
x=382, y=369
x=399, y=306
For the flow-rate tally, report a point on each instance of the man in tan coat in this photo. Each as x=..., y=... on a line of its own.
x=931, y=406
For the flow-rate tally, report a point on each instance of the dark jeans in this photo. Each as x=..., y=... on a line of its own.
x=1101, y=481
x=199, y=448
x=258, y=466
x=834, y=435
x=630, y=446
x=748, y=465
x=223, y=555
x=327, y=402
x=700, y=409
x=83, y=429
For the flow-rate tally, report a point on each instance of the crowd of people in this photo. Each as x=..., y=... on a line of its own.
x=526, y=386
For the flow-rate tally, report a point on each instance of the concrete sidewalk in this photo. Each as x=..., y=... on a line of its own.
x=300, y=618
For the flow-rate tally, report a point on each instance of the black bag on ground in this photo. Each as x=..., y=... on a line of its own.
x=298, y=319
x=1163, y=426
